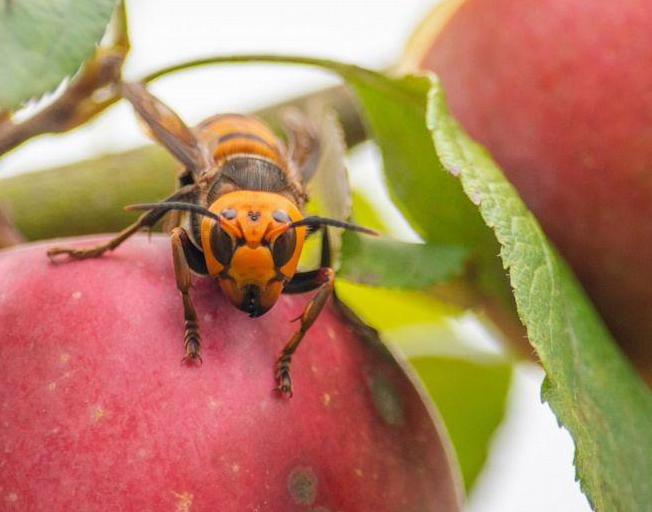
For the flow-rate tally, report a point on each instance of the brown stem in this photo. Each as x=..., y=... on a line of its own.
x=74, y=107
x=89, y=93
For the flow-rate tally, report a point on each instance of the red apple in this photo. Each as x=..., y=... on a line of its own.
x=560, y=92
x=98, y=413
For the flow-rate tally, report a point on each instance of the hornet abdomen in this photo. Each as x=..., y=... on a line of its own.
x=228, y=135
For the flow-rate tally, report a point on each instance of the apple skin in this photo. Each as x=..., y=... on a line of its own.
x=97, y=412
x=560, y=92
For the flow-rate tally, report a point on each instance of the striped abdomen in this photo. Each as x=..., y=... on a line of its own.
x=233, y=134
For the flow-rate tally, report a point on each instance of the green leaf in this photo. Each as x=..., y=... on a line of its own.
x=589, y=384
x=429, y=198
x=392, y=264
x=471, y=395
x=390, y=309
x=376, y=261
x=44, y=41
x=364, y=213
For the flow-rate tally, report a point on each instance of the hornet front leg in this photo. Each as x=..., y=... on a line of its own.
x=324, y=279
x=180, y=245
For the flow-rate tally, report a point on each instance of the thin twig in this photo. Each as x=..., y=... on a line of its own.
x=74, y=107
x=88, y=94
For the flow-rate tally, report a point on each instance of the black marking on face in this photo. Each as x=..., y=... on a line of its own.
x=283, y=247
x=194, y=256
x=251, y=303
x=221, y=244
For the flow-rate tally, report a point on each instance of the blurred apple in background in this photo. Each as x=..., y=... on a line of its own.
x=560, y=92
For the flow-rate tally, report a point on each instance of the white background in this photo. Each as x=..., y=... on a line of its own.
x=530, y=465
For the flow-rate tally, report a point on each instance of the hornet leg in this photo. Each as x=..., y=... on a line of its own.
x=323, y=279
x=146, y=220
x=192, y=340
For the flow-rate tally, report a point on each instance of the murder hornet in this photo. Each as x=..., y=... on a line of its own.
x=237, y=215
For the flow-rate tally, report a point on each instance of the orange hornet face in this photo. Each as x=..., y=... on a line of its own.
x=251, y=251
